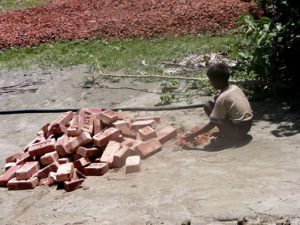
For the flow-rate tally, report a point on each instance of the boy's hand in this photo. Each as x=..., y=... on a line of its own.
x=188, y=136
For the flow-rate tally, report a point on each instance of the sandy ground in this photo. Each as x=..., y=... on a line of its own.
x=260, y=178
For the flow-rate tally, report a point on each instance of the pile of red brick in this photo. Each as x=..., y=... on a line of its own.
x=81, y=19
x=88, y=143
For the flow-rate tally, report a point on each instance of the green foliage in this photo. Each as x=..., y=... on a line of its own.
x=269, y=46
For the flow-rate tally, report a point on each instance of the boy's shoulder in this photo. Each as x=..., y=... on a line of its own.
x=228, y=93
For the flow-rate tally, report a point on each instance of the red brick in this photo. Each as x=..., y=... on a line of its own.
x=27, y=170
x=44, y=130
x=102, y=138
x=142, y=123
x=85, y=121
x=119, y=124
x=14, y=157
x=108, y=116
x=73, y=128
x=24, y=158
x=49, y=158
x=63, y=160
x=8, y=175
x=64, y=119
x=38, y=139
x=82, y=162
x=65, y=172
x=155, y=118
x=96, y=169
x=73, y=184
x=166, y=134
x=88, y=151
x=109, y=152
x=75, y=142
x=61, y=145
x=43, y=173
x=15, y=184
x=95, y=111
x=120, y=157
x=8, y=165
x=147, y=133
x=148, y=148
x=128, y=132
x=57, y=129
x=41, y=148
x=97, y=126
x=133, y=164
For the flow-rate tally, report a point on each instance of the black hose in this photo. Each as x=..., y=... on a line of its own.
x=165, y=108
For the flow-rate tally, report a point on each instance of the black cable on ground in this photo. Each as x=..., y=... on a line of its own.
x=163, y=108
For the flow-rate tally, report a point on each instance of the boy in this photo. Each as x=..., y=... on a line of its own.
x=230, y=112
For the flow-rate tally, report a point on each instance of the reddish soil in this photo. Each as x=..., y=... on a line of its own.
x=81, y=19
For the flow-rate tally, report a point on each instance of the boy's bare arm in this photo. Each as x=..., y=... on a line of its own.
x=202, y=130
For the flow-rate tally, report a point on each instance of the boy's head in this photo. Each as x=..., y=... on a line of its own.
x=218, y=75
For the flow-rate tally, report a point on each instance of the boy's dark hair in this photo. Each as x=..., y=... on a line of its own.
x=219, y=71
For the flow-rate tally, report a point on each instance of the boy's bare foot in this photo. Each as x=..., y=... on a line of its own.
x=216, y=142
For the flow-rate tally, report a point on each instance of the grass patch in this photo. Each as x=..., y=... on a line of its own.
x=132, y=55
x=22, y=4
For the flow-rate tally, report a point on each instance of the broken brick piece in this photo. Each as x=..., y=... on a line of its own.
x=43, y=173
x=82, y=162
x=108, y=116
x=14, y=157
x=73, y=184
x=41, y=148
x=133, y=164
x=73, y=128
x=49, y=158
x=128, y=132
x=142, y=123
x=24, y=158
x=147, y=133
x=102, y=138
x=119, y=124
x=148, y=148
x=109, y=152
x=8, y=175
x=15, y=184
x=85, y=121
x=88, y=151
x=64, y=172
x=120, y=156
x=96, y=169
x=47, y=181
x=27, y=170
x=82, y=139
x=166, y=134
x=128, y=142
x=63, y=160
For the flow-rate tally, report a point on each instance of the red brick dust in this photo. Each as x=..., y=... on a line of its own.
x=79, y=19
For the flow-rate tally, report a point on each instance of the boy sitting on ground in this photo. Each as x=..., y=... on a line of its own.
x=230, y=112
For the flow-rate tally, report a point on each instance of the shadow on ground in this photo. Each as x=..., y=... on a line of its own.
x=284, y=114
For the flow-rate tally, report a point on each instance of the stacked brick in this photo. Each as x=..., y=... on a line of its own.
x=87, y=143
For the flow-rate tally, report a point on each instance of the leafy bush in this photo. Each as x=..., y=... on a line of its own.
x=270, y=44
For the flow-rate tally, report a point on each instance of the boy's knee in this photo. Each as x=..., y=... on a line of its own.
x=208, y=107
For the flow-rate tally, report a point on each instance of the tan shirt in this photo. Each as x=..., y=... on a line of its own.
x=231, y=104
